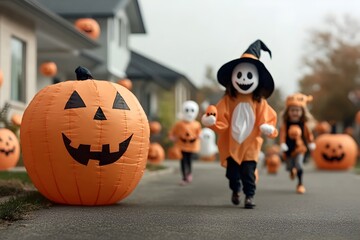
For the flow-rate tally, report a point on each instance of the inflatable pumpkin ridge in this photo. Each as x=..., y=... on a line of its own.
x=83, y=73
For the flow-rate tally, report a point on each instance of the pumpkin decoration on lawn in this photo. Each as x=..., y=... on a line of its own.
x=9, y=149
x=155, y=127
x=16, y=119
x=322, y=127
x=126, y=83
x=335, y=152
x=88, y=26
x=1, y=78
x=156, y=153
x=85, y=142
x=48, y=69
x=174, y=153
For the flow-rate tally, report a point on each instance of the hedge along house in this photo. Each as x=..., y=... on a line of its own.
x=28, y=33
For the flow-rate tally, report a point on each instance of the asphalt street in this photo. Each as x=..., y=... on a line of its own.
x=160, y=208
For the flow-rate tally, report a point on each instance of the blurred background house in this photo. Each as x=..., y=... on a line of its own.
x=37, y=31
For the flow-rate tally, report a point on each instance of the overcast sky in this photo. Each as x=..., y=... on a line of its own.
x=187, y=35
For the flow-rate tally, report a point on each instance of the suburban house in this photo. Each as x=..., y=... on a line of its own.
x=37, y=31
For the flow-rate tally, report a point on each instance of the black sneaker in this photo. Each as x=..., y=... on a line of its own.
x=249, y=203
x=235, y=198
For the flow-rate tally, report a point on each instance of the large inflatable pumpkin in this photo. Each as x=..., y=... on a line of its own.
x=85, y=142
x=9, y=149
x=335, y=152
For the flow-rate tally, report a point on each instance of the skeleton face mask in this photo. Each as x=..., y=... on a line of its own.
x=245, y=78
x=190, y=111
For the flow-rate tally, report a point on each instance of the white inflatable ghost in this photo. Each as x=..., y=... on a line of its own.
x=208, y=147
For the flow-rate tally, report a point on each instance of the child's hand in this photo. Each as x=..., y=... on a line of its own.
x=312, y=146
x=209, y=118
x=267, y=129
x=284, y=147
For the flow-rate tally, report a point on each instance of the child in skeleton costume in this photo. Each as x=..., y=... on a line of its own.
x=186, y=135
x=240, y=118
x=295, y=135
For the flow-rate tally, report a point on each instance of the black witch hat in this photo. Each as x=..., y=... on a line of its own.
x=251, y=55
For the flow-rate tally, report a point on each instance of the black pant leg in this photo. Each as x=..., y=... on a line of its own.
x=185, y=164
x=233, y=174
x=247, y=173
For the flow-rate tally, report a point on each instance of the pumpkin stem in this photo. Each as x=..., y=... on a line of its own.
x=83, y=73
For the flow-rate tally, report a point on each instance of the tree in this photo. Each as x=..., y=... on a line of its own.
x=332, y=63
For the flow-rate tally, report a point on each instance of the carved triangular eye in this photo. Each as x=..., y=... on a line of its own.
x=119, y=102
x=75, y=101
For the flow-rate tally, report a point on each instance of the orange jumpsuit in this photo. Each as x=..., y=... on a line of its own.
x=238, y=127
x=186, y=135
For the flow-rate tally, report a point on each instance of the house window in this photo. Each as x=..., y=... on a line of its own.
x=120, y=32
x=18, y=51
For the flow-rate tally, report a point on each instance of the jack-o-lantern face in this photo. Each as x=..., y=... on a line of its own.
x=9, y=149
x=83, y=154
x=88, y=26
x=188, y=138
x=85, y=142
x=335, y=151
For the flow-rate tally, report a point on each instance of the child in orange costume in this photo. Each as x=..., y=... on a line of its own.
x=185, y=134
x=296, y=115
x=240, y=118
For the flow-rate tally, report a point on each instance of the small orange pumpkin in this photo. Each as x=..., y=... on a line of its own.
x=273, y=163
x=9, y=149
x=1, y=78
x=126, y=83
x=335, y=152
x=48, y=69
x=85, y=142
x=155, y=127
x=88, y=26
x=156, y=153
x=322, y=127
x=174, y=153
x=357, y=117
x=16, y=119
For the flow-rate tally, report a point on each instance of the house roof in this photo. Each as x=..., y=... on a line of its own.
x=98, y=9
x=48, y=21
x=141, y=67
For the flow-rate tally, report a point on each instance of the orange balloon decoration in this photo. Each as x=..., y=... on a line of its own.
x=85, y=142
x=9, y=149
x=126, y=83
x=1, y=78
x=88, y=26
x=155, y=127
x=16, y=119
x=335, y=152
x=48, y=69
x=156, y=153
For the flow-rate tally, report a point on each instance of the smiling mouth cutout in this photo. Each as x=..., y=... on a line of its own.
x=188, y=140
x=244, y=87
x=7, y=152
x=333, y=158
x=82, y=154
